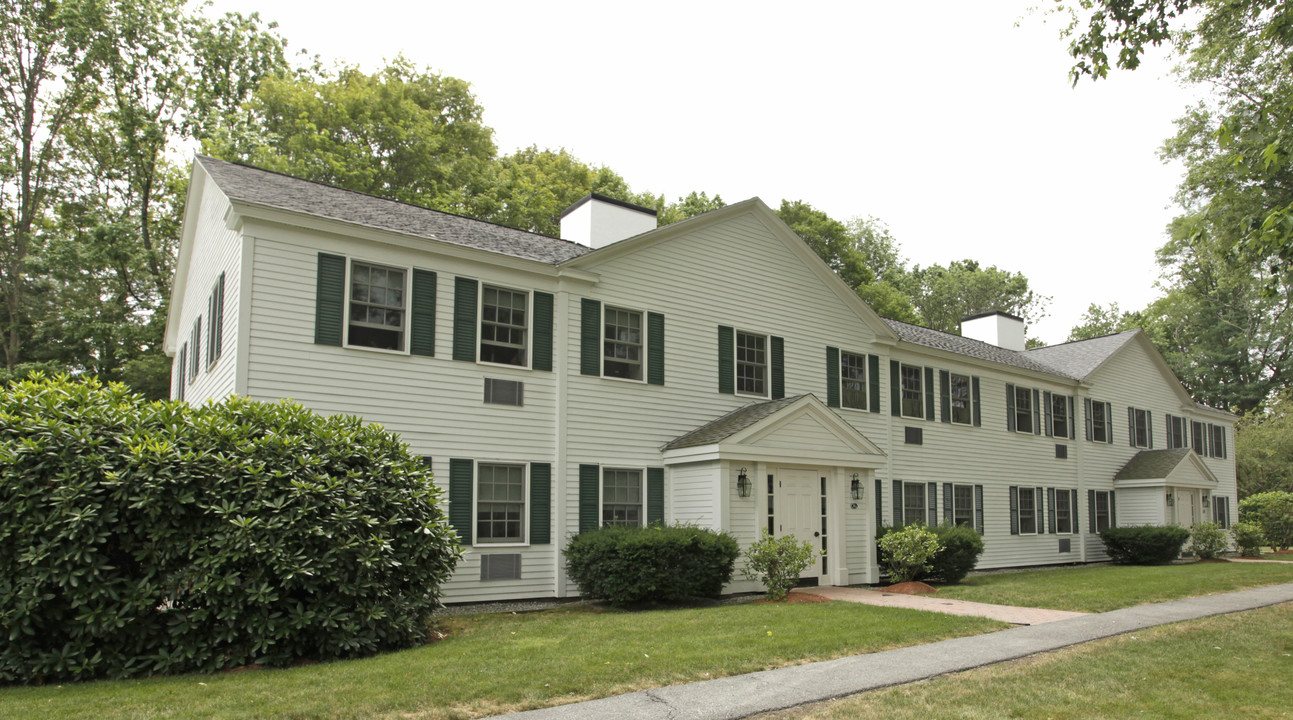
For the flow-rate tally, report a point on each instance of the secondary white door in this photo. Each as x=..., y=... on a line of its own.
x=799, y=511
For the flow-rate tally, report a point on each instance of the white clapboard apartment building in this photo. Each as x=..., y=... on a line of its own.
x=713, y=371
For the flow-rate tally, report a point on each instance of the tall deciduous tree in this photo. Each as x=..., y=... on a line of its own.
x=1264, y=448
x=829, y=238
x=1101, y=320
x=945, y=295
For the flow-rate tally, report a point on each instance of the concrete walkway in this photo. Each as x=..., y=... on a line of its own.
x=1005, y=613
x=742, y=695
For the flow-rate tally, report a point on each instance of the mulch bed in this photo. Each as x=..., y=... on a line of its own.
x=911, y=588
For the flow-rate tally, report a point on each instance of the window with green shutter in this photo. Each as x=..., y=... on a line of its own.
x=726, y=360
x=330, y=300
x=422, y=322
x=589, y=497
x=465, y=294
x=540, y=504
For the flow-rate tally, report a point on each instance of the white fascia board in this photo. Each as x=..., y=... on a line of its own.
x=937, y=354
x=736, y=452
x=198, y=181
x=249, y=214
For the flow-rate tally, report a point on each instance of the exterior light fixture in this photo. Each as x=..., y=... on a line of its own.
x=1206, y=500
x=743, y=484
x=1171, y=500
x=856, y=487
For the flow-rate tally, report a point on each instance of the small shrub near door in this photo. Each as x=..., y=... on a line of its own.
x=1208, y=541
x=1248, y=536
x=962, y=547
x=139, y=538
x=909, y=552
x=1144, y=544
x=630, y=565
x=777, y=562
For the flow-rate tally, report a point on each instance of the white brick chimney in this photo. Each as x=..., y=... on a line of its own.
x=995, y=328
x=598, y=221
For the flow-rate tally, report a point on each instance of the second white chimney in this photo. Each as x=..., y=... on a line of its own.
x=598, y=221
x=995, y=328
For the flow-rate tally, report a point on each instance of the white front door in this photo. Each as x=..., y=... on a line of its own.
x=1185, y=511
x=799, y=503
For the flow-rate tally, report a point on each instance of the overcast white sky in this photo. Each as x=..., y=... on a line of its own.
x=944, y=119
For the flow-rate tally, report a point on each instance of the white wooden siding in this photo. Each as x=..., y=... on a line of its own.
x=1141, y=506
x=216, y=249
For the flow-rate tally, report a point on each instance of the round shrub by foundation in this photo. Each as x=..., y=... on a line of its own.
x=909, y=552
x=777, y=562
x=1144, y=544
x=962, y=547
x=1248, y=537
x=631, y=565
x=151, y=537
x=1208, y=541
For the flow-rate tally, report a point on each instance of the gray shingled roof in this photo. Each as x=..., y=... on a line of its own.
x=918, y=335
x=730, y=424
x=243, y=183
x=1080, y=358
x=1152, y=464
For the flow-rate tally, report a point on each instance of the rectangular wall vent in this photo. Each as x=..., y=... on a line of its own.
x=914, y=436
x=1066, y=545
x=500, y=567
x=1061, y=451
x=504, y=392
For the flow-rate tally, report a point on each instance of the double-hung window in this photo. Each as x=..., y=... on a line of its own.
x=1059, y=412
x=377, y=307
x=181, y=365
x=961, y=401
x=622, y=347
x=751, y=364
x=1102, y=510
x=1028, y=511
x=1175, y=431
x=215, y=326
x=853, y=383
x=1100, y=422
x=1217, y=446
x=621, y=497
x=963, y=505
x=1138, y=427
x=1199, y=438
x=500, y=503
x=1064, y=523
x=195, y=348
x=913, y=392
x=504, y=325
x=1023, y=409
x=914, y=511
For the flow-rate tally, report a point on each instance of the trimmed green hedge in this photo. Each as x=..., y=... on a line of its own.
x=152, y=537
x=961, y=548
x=1144, y=544
x=629, y=565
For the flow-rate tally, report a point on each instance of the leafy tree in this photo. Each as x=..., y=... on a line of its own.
x=405, y=133
x=830, y=239
x=881, y=254
x=690, y=206
x=1100, y=320
x=1264, y=448
x=944, y=295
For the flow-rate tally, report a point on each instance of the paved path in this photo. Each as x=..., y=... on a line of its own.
x=742, y=695
x=1004, y=613
x=1248, y=559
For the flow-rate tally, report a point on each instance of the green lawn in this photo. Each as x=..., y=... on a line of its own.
x=497, y=663
x=1109, y=587
x=1230, y=666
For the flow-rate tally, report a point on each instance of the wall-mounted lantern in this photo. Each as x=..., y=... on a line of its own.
x=1171, y=499
x=855, y=487
x=1206, y=499
x=743, y=484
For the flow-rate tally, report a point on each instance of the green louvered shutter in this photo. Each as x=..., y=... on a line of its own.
x=422, y=322
x=1050, y=500
x=655, y=495
x=1131, y=426
x=590, y=337
x=945, y=396
x=978, y=508
x=929, y=393
x=898, y=516
x=879, y=503
x=1149, y=428
x=1010, y=407
x=542, y=357
x=589, y=496
x=540, y=504
x=1090, y=511
x=1072, y=411
x=460, y=492
x=655, y=349
x=330, y=300
x=1039, y=512
x=726, y=360
x=974, y=389
x=1050, y=414
x=778, y=367
x=947, y=503
x=1014, y=510
x=1037, y=412
x=931, y=503
x=1113, y=511
x=1090, y=424
x=1073, y=505
x=873, y=378
x=895, y=389
x=465, y=294
x=832, y=377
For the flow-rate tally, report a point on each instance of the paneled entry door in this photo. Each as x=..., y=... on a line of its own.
x=800, y=511
x=1185, y=507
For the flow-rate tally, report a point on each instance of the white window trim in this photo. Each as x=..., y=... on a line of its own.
x=866, y=381
x=1037, y=519
x=973, y=520
x=1055, y=396
x=924, y=503
x=601, y=489
x=1107, y=409
x=920, y=374
x=1135, y=410
x=1041, y=417
x=525, y=504
x=408, y=306
x=1073, y=526
x=767, y=363
x=951, y=408
x=529, y=324
x=1108, y=512
x=601, y=367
